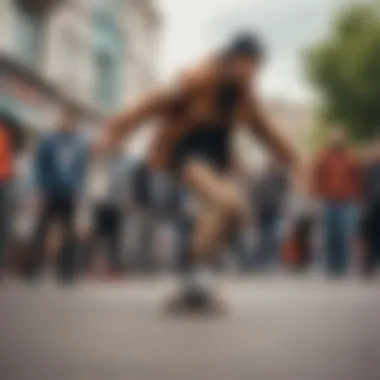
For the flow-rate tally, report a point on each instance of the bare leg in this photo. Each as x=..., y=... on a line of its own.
x=222, y=208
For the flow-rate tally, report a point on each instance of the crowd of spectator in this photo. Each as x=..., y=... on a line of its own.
x=128, y=218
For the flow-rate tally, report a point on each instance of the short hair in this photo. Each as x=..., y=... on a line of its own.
x=246, y=44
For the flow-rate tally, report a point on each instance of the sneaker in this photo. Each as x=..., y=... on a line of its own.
x=195, y=301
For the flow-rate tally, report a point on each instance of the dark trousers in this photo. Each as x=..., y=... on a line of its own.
x=59, y=209
x=268, y=246
x=5, y=222
x=145, y=255
x=338, y=225
x=372, y=239
x=304, y=234
x=185, y=227
x=108, y=221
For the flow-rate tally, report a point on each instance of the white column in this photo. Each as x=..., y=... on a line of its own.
x=7, y=26
x=68, y=47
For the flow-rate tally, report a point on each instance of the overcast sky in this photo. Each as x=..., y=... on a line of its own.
x=192, y=27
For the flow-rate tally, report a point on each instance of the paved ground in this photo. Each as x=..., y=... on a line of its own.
x=288, y=329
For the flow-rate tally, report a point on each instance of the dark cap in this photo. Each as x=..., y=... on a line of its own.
x=246, y=44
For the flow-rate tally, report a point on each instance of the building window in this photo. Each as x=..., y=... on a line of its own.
x=107, y=86
x=108, y=60
x=71, y=58
x=28, y=36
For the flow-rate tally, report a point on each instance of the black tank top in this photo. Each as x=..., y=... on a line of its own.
x=226, y=99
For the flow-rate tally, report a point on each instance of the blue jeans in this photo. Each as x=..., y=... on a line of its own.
x=242, y=254
x=339, y=233
x=268, y=247
x=184, y=229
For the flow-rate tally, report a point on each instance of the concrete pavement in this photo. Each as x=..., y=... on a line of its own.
x=278, y=328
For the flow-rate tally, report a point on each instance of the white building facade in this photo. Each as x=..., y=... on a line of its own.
x=99, y=54
x=294, y=120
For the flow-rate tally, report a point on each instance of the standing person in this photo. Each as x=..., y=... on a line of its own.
x=22, y=207
x=109, y=208
x=371, y=212
x=301, y=224
x=198, y=115
x=143, y=197
x=184, y=225
x=10, y=143
x=167, y=205
x=337, y=181
x=242, y=247
x=60, y=169
x=270, y=195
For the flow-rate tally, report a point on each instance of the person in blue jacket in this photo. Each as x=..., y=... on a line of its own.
x=60, y=164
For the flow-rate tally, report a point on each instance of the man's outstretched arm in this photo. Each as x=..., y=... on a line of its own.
x=130, y=118
x=155, y=104
x=259, y=123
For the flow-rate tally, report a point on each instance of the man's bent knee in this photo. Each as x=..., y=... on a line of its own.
x=232, y=206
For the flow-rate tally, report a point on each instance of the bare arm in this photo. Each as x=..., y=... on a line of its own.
x=261, y=126
x=155, y=104
x=129, y=119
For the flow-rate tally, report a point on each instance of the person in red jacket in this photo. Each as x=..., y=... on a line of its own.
x=10, y=142
x=337, y=182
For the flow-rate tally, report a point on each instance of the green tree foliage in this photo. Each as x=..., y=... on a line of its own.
x=345, y=70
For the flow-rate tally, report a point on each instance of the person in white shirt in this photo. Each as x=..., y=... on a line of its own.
x=109, y=198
